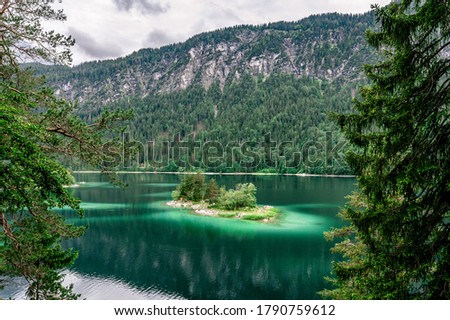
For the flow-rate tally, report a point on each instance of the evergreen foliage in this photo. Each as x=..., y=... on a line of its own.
x=40, y=257
x=36, y=131
x=398, y=239
x=243, y=196
x=212, y=191
x=295, y=112
x=344, y=32
x=193, y=188
x=236, y=102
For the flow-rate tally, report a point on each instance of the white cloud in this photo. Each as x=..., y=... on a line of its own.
x=111, y=28
x=157, y=38
x=94, y=48
x=143, y=6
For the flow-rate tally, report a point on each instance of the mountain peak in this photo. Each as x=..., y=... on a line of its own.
x=328, y=46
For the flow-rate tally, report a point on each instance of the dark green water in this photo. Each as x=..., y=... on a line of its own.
x=136, y=247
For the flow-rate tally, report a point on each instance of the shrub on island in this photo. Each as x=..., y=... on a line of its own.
x=208, y=199
x=194, y=188
x=243, y=196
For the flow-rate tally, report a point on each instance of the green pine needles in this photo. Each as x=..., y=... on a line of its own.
x=397, y=244
x=194, y=188
x=37, y=131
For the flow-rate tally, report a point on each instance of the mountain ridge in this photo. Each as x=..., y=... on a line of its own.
x=242, y=88
x=328, y=46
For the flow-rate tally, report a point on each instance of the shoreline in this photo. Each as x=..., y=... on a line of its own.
x=226, y=174
x=262, y=214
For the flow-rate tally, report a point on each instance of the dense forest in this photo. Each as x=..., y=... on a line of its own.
x=264, y=98
x=263, y=93
x=289, y=116
x=326, y=46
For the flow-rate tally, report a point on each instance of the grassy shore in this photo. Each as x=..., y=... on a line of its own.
x=264, y=214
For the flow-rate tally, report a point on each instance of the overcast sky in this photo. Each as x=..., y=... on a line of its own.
x=112, y=28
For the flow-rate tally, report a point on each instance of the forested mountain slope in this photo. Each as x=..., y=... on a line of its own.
x=234, y=85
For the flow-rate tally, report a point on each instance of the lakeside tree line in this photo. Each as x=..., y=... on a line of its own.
x=396, y=244
x=290, y=116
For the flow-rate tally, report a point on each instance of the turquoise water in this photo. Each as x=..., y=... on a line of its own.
x=135, y=246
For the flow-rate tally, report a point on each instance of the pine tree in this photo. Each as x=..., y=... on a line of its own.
x=397, y=244
x=37, y=129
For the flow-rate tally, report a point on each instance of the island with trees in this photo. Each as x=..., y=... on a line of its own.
x=206, y=198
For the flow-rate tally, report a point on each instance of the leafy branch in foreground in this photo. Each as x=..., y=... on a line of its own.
x=32, y=182
x=23, y=38
x=397, y=244
x=37, y=131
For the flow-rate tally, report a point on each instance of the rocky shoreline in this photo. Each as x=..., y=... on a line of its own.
x=266, y=214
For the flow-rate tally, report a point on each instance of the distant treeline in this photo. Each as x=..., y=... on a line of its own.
x=275, y=124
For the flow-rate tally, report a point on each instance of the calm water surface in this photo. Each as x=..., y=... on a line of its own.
x=138, y=248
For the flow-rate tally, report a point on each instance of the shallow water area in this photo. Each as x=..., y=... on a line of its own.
x=136, y=247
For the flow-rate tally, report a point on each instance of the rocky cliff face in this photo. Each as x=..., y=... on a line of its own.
x=328, y=47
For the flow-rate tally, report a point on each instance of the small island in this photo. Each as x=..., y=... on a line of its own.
x=208, y=199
